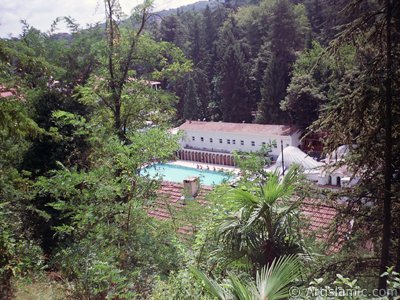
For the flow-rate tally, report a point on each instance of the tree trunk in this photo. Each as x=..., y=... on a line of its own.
x=398, y=250
x=117, y=120
x=387, y=218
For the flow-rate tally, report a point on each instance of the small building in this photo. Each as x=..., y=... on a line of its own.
x=155, y=85
x=324, y=173
x=224, y=137
x=7, y=92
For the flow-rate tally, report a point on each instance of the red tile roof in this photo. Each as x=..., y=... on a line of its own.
x=7, y=92
x=319, y=219
x=318, y=216
x=245, y=128
x=170, y=200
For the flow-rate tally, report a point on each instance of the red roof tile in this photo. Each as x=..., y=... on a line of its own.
x=319, y=216
x=246, y=128
x=170, y=200
x=7, y=92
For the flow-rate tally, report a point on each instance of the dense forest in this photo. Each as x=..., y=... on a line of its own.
x=80, y=117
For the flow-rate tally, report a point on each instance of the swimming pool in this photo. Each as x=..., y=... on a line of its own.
x=177, y=174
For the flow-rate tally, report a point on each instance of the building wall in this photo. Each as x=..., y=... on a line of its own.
x=228, y=142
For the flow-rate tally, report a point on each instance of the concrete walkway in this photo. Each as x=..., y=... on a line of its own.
x=211, y=167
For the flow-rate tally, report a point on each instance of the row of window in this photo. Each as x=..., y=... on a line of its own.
x=229, y=141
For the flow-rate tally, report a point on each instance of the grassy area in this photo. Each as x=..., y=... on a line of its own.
x=39, y=289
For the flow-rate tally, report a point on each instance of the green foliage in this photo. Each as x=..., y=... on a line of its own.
x=272, y=282
x=235, y=98
x=136, y=102
x=191, y=110
x=27, y=61
x=84, y=120
x=284, y=38
x=316, y=76
x=15, y=123
x=262, y=222
x=252, y=164
x=20, y=254
x=104, y=206
x=345, y=288
x=181, y=285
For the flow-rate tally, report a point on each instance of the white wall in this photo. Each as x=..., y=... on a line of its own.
x=247, y=139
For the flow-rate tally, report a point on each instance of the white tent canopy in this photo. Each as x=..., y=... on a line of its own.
x=293, y=155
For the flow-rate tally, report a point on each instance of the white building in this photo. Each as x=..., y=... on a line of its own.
x=227, y=137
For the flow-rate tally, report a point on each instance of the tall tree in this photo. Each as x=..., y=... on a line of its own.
x=235, y=96
x=365, y=112
x=122, y=84
x=173, y=31
x=284, y=41
x=388, y=140
x=119, y=61
x=192, y=106
x=197, y=39
x=309, y=86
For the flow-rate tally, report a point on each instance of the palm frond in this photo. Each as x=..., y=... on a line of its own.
x=212, y=287
x=243, y=198
x=274, y=281
x=240, y=290
x=291, y=177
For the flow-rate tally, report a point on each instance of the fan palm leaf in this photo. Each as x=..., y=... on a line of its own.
x=272, y=282
x=213, y=288
x=258, y=226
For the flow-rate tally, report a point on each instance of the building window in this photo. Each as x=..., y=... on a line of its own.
x=202, y=139
x=220, y=141
x=193, y=138
x=253, y=143
x=264, y=143
x=234, y=142
x=228, y=141
x=242, y=143
x=211, y=140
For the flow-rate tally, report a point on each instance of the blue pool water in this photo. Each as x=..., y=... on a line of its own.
x=175, y=173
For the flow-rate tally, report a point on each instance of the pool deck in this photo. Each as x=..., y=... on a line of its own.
x=198, y=165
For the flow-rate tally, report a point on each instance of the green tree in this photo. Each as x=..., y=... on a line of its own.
x=364, y=112
x=263, y=222
x=105, y=205
x=192, y=107
x=235, y=97
x=197, y=41
x=284, y=40
x=308, y=89
x=123, y=45
x=173, y=31
x=19, y=251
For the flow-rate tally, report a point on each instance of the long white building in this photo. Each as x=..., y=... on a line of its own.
x=221, y=137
